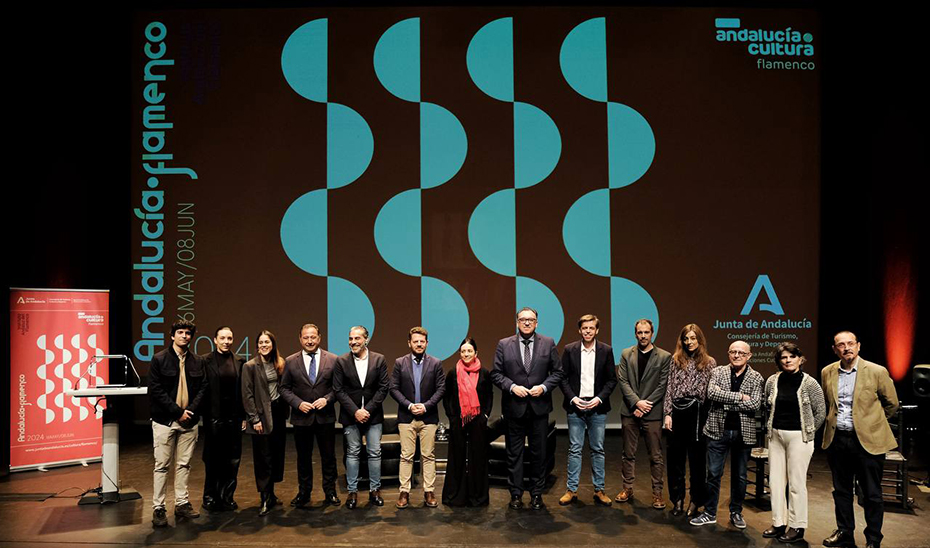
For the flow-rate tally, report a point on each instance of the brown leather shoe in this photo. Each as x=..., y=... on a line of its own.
x=430, y=499
x=624, y=495
x=601, y=498
x=568, y=498
x=658, y=502
x=403, y=500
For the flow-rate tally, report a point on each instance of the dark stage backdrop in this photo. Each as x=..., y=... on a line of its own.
x=446, y=166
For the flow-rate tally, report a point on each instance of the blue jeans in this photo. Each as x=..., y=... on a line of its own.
x=353, y=434
x=595, y=424
x=732, y=440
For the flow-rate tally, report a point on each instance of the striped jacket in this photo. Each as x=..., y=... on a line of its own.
x=721, y=400
x=811, y=405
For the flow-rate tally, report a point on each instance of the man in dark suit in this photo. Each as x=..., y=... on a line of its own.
x=527, y=370
x=589, y=379
x=360, y=381
x=418, y=385
x=643, y=376
x=222, y=422
x=307, y=386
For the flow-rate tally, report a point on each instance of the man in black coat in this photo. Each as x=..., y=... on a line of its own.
x=527, y=370
x=177, y=385
x=307, y=386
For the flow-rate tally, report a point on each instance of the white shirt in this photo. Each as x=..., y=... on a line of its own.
x=361, y=366
x=586, y=388
x=307, y=360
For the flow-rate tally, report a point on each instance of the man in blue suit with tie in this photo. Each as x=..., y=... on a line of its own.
x=527, y=370
x=418, y=385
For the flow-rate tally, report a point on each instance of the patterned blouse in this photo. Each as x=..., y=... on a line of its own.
x=687, y=383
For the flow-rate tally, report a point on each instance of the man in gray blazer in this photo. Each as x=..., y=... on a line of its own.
x=307, y=386
x=526, y=369
x=418, y=385
x=642, y=376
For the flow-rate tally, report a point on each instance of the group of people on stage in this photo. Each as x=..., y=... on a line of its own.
x=709, y=411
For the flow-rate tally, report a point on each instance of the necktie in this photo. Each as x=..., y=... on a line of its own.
x=181, y=400
x=417, y=376
x=527, y=357
x=313, y=368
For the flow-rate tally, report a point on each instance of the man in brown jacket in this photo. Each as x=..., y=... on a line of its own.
x=860, y=398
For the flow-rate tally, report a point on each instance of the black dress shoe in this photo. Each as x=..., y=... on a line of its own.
x=266, y=505
x=300, y=500
x=516, y=502
x=332, y=498
x=374, y=497
x=678, y=508
x=230, y=504
x=537, y=503
x=774, y=531
x=211, y=504
x=693, y=510
x=792, y=535
x=873, y=544
x=840, y=538
x=352, y=501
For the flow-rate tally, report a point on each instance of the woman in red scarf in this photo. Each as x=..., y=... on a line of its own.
x=468, y=400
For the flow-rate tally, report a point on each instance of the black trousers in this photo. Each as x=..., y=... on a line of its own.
x=268, y=449
x=687, y=448
x=852, y=465
x=466, y=482
x=222, y=452
x=530, y=430
x=325, y=435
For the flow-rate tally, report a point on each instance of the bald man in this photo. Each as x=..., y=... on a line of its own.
x=734, y=394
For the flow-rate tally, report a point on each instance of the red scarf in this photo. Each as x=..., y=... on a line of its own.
x=466, y=375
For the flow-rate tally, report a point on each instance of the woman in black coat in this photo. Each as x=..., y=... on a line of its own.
x=467, y=401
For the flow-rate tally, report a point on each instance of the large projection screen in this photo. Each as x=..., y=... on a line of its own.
x=443, y=167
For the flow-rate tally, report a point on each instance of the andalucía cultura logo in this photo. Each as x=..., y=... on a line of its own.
x=791, y=48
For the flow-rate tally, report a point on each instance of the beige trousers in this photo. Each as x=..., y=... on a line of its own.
x=178, y=442
x=408, y=447
x=789, y=457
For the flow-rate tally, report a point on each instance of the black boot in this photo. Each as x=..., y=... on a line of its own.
x=678, y=508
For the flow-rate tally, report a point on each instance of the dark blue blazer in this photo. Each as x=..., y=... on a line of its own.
x=432, y=387
x=545, y=369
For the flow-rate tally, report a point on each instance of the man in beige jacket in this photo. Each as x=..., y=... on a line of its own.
x=860, y=398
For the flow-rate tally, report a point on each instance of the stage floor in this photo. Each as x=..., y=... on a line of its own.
x=59, y=521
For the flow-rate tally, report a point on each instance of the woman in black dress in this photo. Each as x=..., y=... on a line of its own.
x=468, y=400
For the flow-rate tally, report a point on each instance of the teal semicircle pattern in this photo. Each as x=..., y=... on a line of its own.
x=489, y=59
x=586, y=232
x=536, y=295
x=349, y=145
x=347, y=306
x=443, y=145
x=492, y=232
x=397, y=232
x=631, y=145
x=444, y=314
x=628, y=303
x=304, y=232
x=304, y=60
x=537, y=145
x=583, y=59
x=397, y=59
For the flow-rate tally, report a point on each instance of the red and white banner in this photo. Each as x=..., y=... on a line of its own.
x=53, y=336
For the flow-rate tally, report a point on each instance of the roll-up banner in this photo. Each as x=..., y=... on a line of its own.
x=54, y=334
